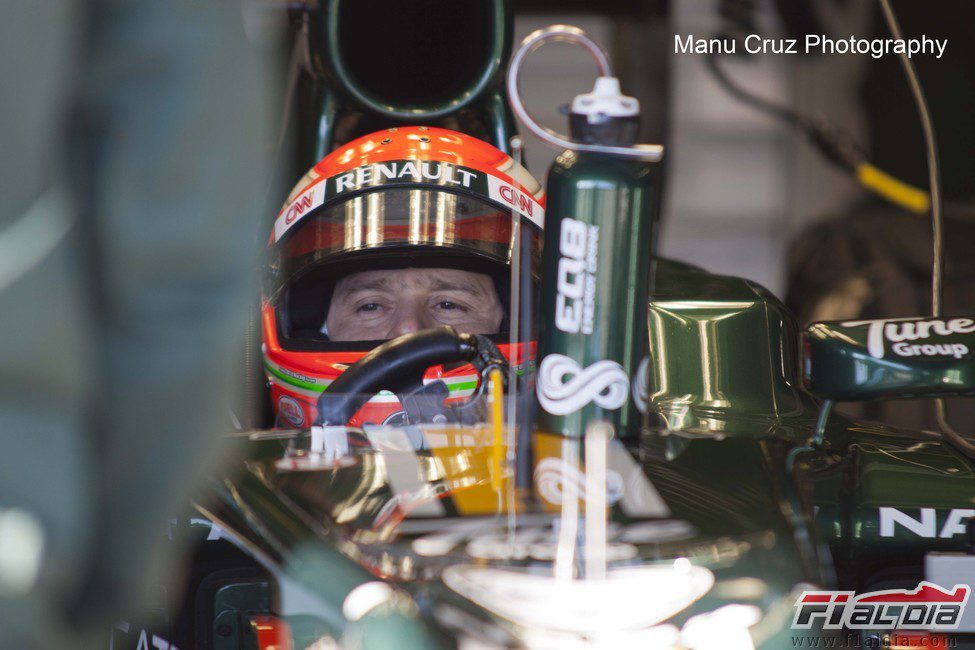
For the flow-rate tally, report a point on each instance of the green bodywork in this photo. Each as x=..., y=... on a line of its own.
x=916, y=357
x=724, y=355
x=731, y=417
x=726, y=359
x=476, y=100
x=728, y=438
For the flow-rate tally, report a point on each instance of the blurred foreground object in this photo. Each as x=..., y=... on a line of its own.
x=133, y=169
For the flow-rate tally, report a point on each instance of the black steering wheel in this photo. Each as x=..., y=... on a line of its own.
x=399, y=365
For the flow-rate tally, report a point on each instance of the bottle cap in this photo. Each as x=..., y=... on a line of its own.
x=605, y=100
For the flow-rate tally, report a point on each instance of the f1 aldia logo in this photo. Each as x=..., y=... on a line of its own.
x=928, y=607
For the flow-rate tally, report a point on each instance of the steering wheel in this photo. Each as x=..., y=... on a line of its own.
x=399, y=365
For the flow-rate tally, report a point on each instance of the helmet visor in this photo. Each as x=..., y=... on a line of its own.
x=393, y=228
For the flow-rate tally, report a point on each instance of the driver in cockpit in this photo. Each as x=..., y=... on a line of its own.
x=398, y=231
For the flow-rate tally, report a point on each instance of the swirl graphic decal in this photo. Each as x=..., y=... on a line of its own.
x=552, y=473
x=641, y=385
x=565, y=387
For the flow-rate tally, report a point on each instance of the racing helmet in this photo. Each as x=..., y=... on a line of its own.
x=400, y=198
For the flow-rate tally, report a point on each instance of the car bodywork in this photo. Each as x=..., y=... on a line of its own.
x=724, y=476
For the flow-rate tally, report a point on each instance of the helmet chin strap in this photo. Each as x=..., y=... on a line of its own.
x=324, y=329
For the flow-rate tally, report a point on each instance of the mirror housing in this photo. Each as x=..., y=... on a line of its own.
x=890, y=358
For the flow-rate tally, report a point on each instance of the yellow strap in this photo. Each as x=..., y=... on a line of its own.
x=496, y=401
x=895, y=191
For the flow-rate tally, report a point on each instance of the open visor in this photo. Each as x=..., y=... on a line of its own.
x=391, y=227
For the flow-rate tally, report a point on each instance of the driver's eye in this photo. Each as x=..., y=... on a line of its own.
x=369, y=307
x=447, y=305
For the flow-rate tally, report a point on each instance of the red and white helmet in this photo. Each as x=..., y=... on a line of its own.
x=399, y=198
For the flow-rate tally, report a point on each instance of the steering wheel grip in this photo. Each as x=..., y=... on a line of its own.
x=395, y=365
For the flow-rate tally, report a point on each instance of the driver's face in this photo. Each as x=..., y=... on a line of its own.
x=374, y=305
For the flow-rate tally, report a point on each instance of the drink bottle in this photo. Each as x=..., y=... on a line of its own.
x=599, y=234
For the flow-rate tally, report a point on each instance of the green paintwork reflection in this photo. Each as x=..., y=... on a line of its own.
x=734, y=523
x=302, y=553
x=722, y=350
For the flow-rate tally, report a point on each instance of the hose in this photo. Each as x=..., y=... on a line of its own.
x=834, y=144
